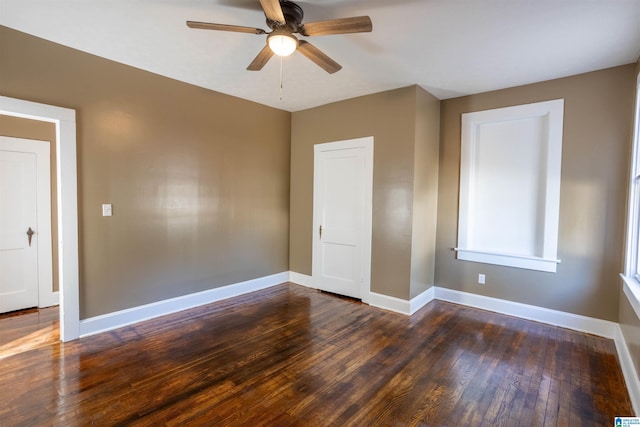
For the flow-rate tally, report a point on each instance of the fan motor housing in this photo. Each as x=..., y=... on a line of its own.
x=293, y=16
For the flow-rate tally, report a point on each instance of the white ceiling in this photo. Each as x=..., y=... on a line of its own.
x=449, y=47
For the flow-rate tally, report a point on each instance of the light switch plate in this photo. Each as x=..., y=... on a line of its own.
x=107, y=209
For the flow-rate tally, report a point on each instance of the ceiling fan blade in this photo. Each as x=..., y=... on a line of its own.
x=357, y=24
x=224, y=27
x=273, y=10
x=260, y=61
x=318, y=57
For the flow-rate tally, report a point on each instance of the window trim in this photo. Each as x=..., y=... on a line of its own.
x=550, y=169
x=631, y=275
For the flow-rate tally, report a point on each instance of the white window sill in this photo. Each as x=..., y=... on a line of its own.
x=508, y=260
x=631, y=288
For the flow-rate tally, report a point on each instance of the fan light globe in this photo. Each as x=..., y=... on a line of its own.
x=282, y=44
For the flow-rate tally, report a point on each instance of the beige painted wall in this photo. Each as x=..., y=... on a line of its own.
x=425, y=192
x=199, y=181
x=390, y=117
x=18, y=127
x=596, y=144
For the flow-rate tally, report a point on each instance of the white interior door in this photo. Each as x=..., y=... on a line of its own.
x=25, y=259
x=343, y=183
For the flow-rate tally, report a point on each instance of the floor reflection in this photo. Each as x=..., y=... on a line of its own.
x=289, y=355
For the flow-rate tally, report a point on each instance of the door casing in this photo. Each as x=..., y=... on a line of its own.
x=67, y=185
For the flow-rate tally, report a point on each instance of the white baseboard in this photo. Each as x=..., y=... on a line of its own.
x=603, y=328
x=118, y=319
x=48, y=299
x=386, y=302
x=302, y=280
x=590, y=325
x=399, y=305
x=628, y=370
x=422, y=299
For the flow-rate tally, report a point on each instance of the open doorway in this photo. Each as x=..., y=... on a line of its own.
x=67, y=204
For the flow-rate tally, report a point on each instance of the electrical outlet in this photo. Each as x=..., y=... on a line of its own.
x=481, y=279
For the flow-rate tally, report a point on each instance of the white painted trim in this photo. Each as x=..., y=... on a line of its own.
x=386, y=302
x=377, y=300
x=129, y=316
x=474, y=243
x=631, y=285
x=603, y=328
x=509, y=260
x=421, y=300
x=29, y=110
x=628, y=370
x=65, y=121
x=631, y=288
x=346, y=144
x=399, y=305
x=302, y=280
x=633, y=208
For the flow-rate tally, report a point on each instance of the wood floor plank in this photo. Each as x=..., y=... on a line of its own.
x=291, y=356
x=530, y=416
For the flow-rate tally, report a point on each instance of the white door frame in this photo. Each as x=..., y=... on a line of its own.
x=42, y=149
x=66, y=172
x=367, y=144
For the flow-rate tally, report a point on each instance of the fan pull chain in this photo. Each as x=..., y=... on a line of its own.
x=281, y=79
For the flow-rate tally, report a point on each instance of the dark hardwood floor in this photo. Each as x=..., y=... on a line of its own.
x=291, y=356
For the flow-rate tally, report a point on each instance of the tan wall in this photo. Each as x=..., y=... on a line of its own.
x=425, y=192
x=595, y=154
x=199, y=181
x=390, y=117
x=18, y=127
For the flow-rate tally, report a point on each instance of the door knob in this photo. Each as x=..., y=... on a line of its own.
x=30, y=234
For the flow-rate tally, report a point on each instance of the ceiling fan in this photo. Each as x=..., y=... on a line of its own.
x=284, y=18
